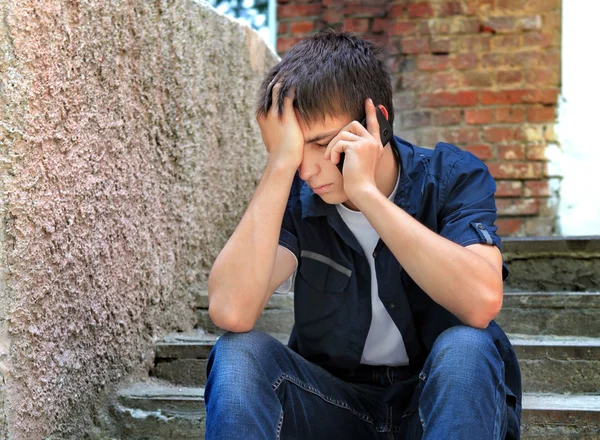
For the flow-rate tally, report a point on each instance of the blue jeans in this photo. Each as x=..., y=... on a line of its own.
x=258, y=388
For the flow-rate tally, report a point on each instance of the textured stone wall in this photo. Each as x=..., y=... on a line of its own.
x=482, y=74
x=128, y=152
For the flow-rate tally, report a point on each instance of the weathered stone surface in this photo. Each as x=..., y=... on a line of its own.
x=551, y=313
x=157, y=411
x=128, y=152
x=553, y=263
x=186, y=372
x=555, y=364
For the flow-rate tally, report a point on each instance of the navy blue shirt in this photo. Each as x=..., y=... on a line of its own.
x=446, y=189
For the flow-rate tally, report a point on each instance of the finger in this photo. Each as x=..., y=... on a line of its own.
x=337, y=150
x=372, y=123
x=288, y=100
x=275, y=97
x=342, y=135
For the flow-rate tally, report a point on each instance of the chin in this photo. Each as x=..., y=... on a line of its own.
x=333, y=199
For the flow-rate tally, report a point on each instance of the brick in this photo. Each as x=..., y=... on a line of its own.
x=333, y=16
x=447, y=117
x=415, y=119
x=510, y=115
x=404, y=101
x=508, y=226
x=511, y=152
x=509, y=77
x=541, y=96
x=419, y=10
x=459, y=135
x=536, y=152
x=516, y=170
x=492, y=60
x=285, y=44
x=282, y=28
x=415, y=45
x=298, y=10
x=333, y=2
x=552, y=59
x=449, y=8
x=542, y=77
x=479, y=116
x=443, y=81
x=475, y=43
x=498, y=134
x=356, y=25
x=357, y=10
x=441, y=46
x=541, y=5
x=541, y=114
x=477, y=79
x=537, y=188
x=433, y=62
x=397, y=28
x=518, y=207
x=525, y=58
x=464, y=61
x=509, y=188
x=478, y=7
x=552, y=20
x=454, y=25
x=505, y=42
x=501, y=24
x=302, y=27
x=531, y=22
x=540, y=226
x=397, y=11
x=536, y=39
x=413, y=81
x=447, y=99
x=483, y=152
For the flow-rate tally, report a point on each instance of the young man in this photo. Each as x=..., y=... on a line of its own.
x=396, y=266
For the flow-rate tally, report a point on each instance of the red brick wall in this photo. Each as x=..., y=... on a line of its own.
x=482, y=74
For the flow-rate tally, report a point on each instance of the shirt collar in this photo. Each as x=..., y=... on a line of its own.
x=314, y=206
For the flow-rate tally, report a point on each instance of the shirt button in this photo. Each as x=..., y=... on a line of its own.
x=480, y=226
x=374, y=254
x=392, y=305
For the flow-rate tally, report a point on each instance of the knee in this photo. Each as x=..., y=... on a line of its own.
x=240, y=351
x=461, y=350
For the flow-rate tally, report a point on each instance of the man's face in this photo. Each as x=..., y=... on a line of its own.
x=322, y=175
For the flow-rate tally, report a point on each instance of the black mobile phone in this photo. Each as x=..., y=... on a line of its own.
x=385, y=133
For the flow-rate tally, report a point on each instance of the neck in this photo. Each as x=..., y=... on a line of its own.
x=386, y=175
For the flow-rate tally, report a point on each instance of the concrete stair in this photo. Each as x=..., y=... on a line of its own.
x=555, y=332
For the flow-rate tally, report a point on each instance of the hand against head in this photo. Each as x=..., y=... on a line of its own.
x=363, y=151
x=281, y=133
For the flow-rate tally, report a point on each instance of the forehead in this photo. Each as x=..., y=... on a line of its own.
x=323, y=126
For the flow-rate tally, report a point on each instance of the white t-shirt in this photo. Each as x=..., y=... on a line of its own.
x=384, y=344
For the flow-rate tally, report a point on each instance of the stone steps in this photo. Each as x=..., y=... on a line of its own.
x=548, y=363
x=551, y=313
x=156, y=410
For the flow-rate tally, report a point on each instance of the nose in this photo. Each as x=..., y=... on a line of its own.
x=308, y=168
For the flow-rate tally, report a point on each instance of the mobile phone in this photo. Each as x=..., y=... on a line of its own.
x=385, y=133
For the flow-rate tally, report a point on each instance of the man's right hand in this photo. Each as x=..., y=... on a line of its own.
x=281, y=134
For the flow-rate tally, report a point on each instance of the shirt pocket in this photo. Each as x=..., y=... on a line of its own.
x=318, y=294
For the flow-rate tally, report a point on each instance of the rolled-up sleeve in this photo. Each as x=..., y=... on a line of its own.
x=468, y=205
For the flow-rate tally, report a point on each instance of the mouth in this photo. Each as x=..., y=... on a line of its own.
x=322, y=189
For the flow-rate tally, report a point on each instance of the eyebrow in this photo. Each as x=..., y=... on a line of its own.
x=321, y=136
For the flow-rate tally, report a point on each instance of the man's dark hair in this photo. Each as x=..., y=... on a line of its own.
x=333, y=73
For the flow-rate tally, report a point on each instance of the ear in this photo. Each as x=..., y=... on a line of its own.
x=384, y=111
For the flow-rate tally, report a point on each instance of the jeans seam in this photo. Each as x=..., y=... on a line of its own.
x=280, y=424
x=318, y=393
